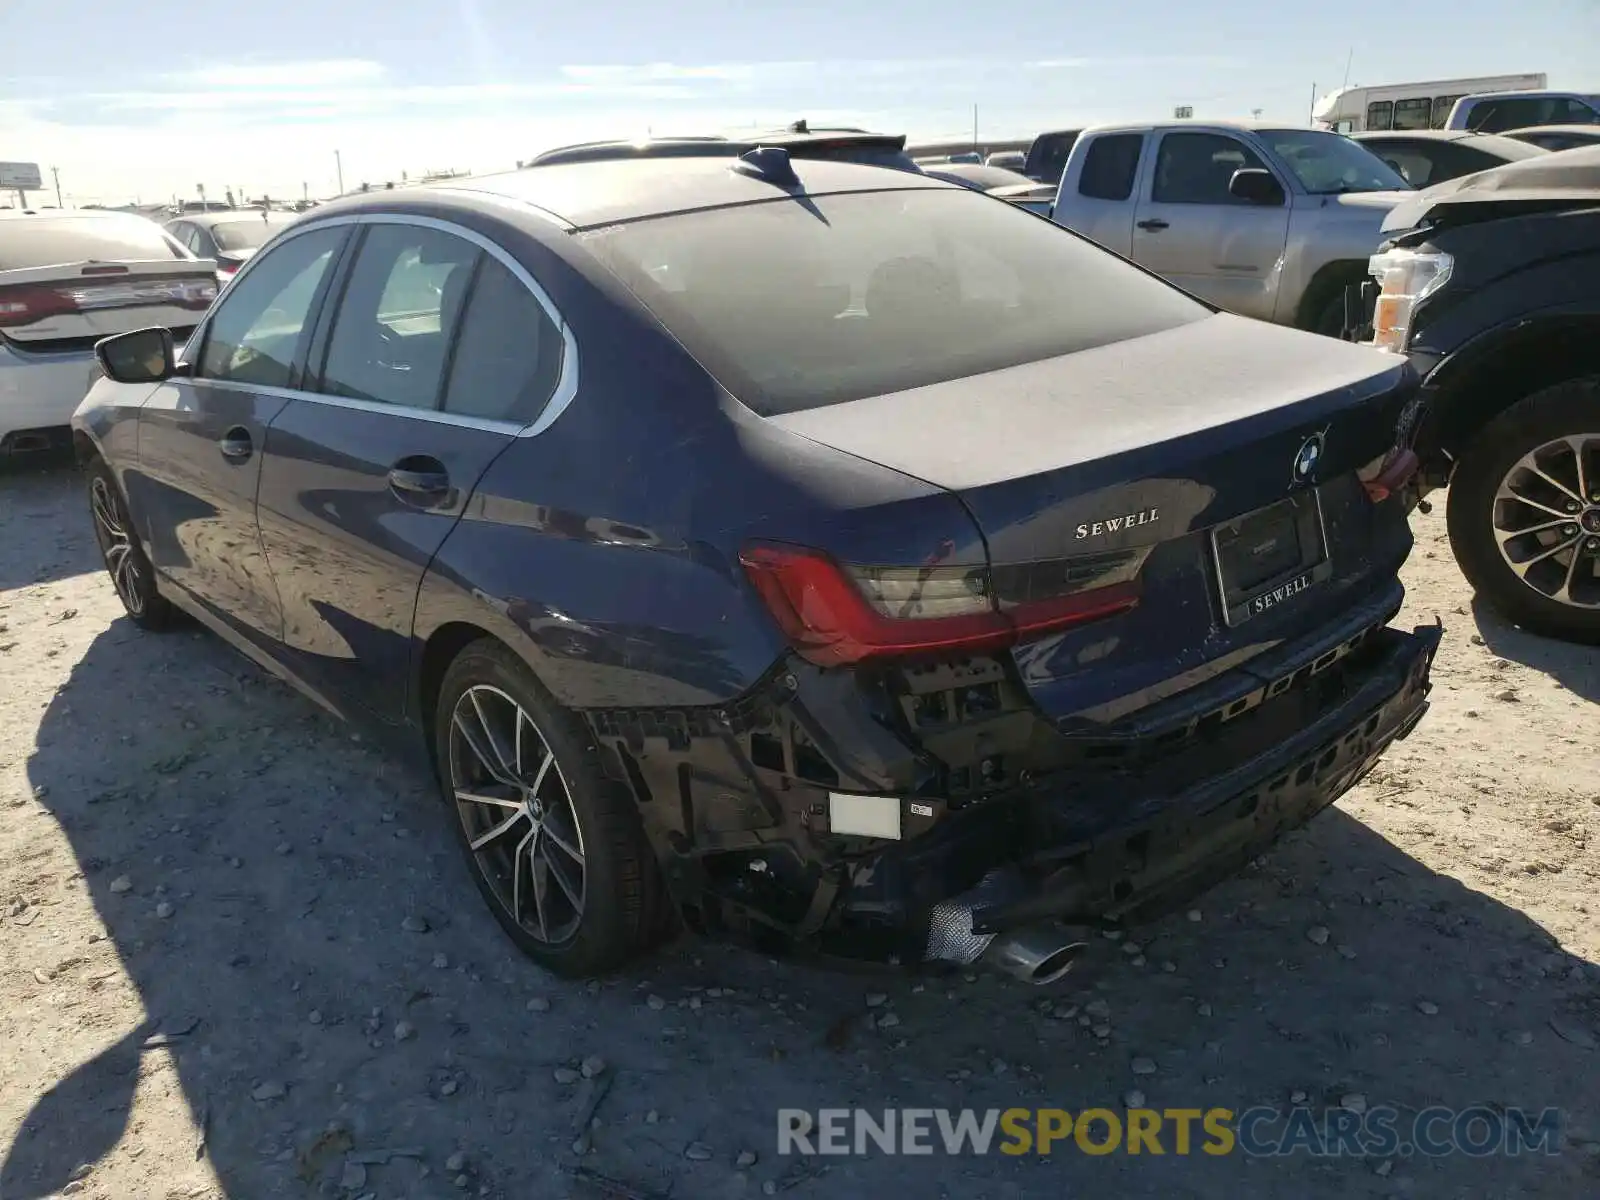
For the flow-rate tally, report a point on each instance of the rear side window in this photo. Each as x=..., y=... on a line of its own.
x=1110, y=165
x=54, y=241
x=1442, y=106
x=1380, y=115
x=507, y=356
x=397, y=315
x=255, y=332
x=1195, y=168
x=798, y=304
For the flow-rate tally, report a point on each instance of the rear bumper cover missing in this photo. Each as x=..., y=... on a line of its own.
x=1165, y=848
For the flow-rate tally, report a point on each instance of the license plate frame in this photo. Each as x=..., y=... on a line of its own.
x=1301, y=512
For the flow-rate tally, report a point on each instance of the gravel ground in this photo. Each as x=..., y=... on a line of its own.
x=240, y=957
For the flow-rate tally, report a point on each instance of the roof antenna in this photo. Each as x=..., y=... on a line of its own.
x=768, y=163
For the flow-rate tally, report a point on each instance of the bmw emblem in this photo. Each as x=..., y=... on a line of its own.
x=1306, y=458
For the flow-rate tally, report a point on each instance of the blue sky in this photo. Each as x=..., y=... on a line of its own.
x=153, y=98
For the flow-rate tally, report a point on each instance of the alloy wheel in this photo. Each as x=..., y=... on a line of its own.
x=1547, y=520
x=116, y=546
x=516, y=809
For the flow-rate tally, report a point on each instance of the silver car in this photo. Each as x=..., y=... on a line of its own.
x=67, y=279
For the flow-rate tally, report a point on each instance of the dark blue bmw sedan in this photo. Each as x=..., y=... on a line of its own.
x=814, y=554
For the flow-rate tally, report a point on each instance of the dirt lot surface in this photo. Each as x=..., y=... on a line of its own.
x=240, y=957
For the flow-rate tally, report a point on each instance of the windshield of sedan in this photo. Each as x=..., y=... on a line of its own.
x=246, y=234
x=1327, y=164
x=799, y=303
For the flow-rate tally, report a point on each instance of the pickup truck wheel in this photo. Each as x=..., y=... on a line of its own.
x=557, y=850
x=1330, y=321
x=1524, y=512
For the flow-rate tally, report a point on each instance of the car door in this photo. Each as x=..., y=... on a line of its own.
x=432, y=360
x=1190, y=229
x=202, y=432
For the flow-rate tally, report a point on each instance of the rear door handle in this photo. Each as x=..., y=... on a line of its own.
x=420, y=480
x=236, y=445
x=1153, y=224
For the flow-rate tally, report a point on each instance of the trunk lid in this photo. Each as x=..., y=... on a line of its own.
x=1120, y=463
x=71, y=306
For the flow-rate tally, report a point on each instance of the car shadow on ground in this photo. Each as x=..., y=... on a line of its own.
x=34, y=488
x=344, y=1017
x=1576, y=668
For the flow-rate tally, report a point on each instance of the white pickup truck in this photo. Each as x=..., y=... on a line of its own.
x=1262, y=220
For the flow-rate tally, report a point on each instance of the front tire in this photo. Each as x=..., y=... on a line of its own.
x=557, y=850
x=1524, y=512
x=132, y=576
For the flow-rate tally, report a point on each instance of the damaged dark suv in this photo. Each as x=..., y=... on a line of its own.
x=834, y=557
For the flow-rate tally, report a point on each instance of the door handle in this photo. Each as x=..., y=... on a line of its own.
x=419, y=480
x=1153, y=224
x=236, y=445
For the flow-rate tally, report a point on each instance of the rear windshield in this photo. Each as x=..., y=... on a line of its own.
x=798, y=304
x=50, y=241
x=245, y=234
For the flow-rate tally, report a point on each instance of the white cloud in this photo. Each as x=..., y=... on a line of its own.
x=331, y=72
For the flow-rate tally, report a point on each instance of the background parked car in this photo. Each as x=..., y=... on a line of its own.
x=228, y=237
x=1428, y=156
x=977, y=176
x=1501, y=112
x=1491, y=285
x=798, y=140
x=1262, y=220
x=1011, y=160
x=1558, y=137
x=1047, y=156
x=67, y=279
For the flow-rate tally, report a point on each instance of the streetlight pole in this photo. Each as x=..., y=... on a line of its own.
x=55, y=173
x=338, y=163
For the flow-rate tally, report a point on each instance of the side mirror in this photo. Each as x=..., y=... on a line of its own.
x=1255, y=186
x=139, y=356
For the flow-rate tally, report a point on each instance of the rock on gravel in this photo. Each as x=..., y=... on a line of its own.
x=415, y=924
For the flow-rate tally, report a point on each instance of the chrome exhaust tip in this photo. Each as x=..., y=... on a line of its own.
x=1038, y=955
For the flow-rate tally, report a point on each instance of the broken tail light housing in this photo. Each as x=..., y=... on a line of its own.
x=835, y=615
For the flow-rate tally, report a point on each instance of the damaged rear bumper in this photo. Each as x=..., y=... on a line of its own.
x=747, y=846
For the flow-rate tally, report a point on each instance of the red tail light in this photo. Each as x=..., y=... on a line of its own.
x=834, y=616
x=25, y=304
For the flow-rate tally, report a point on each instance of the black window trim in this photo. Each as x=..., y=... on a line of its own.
x=314, y=347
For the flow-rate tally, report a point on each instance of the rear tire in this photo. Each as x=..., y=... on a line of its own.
x=1524, y=512
x=556, y=849
x=132, y=576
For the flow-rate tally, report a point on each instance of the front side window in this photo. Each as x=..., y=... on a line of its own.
x=1326, y=164
x=1575, y=112
x=257, y=328
x=799, y=304
x=508, y=353
x=1195, y=168
x=397, y=315
x=1413, y=162
x=1380, y=114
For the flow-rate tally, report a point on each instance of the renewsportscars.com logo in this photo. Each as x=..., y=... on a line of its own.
x=1380, y=1132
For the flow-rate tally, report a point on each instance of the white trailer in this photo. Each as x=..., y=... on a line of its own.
x=1424, y=105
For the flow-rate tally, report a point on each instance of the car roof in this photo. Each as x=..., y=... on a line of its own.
x=1586, y=130
x=1169, y=123
x=799, y=137
x=208, y=219
x=79, y=214
x=584, y=195
x=1432, y=135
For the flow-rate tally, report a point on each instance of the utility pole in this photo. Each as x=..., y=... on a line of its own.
x=1312, y=114
x=55, y=173
x=974, y=128
x=338, y=164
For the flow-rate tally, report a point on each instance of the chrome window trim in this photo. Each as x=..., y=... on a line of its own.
x=566, y=388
